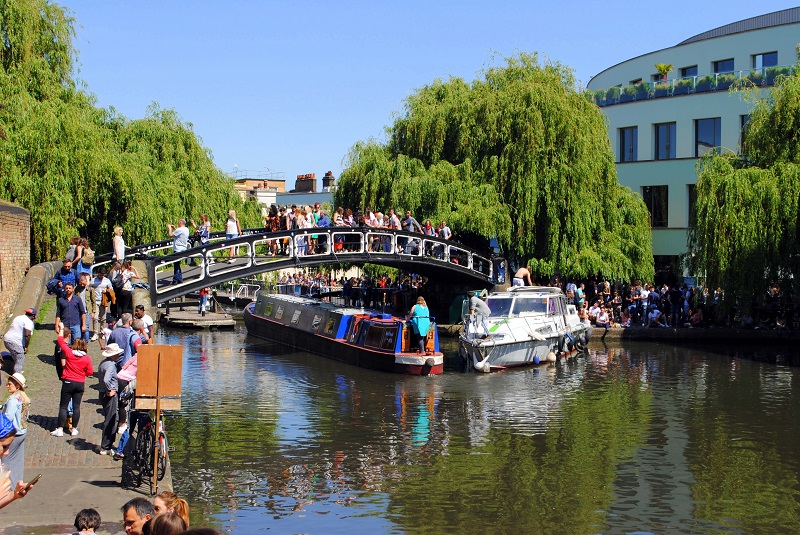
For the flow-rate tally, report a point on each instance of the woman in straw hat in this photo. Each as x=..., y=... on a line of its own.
x=16, y=409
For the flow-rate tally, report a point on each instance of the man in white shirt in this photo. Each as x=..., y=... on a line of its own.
x=18, y=336
x=100, y=285
x=149, y=324
x=180, y=243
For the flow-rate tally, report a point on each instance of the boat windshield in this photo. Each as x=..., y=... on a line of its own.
x=527, y=305
x=500, y=306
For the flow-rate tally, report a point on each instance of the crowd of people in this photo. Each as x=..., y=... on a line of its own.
x=306, y=217
x=86, y=311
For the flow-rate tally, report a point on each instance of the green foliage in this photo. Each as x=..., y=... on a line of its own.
x=81, y=170
x=520, y=154
x=746, y=236
x=664, y=69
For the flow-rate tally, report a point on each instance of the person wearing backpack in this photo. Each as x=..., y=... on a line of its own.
x=84, y=257
x=124, y=337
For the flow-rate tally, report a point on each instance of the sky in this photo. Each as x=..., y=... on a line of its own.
x=289, y=87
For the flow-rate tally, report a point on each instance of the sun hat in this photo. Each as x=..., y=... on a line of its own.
x=19, y=379
x=112, y=350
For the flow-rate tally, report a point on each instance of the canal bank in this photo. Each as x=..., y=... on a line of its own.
x=74, y=475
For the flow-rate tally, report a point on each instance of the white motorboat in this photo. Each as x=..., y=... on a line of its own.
x=527, y=325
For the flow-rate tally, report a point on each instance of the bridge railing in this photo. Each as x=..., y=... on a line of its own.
x=222, y=260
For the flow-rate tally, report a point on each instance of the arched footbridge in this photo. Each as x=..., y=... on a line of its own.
x=257, y=251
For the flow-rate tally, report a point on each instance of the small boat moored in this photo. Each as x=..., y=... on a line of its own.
x=357, y=336
x=527, y=325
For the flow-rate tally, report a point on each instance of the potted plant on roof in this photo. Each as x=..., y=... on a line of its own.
x=664, y=69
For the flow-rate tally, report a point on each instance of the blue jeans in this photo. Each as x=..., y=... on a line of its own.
x=75, y=334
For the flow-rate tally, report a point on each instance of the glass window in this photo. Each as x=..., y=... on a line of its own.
x=743, y=120
x=707, y=135
x=665, y=141
x=526, y=305
x=637, y=81
x=500, y=306
x=689, y=71
x=628, y=144
x=655, y=198
x=692, y=195
x=723, y=65
x=769, y=59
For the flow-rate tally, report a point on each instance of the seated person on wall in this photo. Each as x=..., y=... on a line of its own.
x=697, y=318
x=655, y=318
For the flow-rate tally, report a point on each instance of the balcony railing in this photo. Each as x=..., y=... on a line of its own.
x=765, y=76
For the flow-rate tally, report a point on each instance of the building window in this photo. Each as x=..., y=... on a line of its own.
x=689, y=71
x=723, y=65
x=692, y=195
x=655, y=198
x=665, y=141
x=637, y=81
x=769, y=59
x=707, y=135
x=628, y=144
x=743, y=121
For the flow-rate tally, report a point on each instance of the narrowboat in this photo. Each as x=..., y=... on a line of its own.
x=357, y=336
x=528, y=325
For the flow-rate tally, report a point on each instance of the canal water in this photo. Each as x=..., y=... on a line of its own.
x=639, y=439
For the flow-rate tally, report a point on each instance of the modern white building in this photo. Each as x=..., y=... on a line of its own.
x=659, y=126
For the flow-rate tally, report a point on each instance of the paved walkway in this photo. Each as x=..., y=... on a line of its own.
x=74, y=475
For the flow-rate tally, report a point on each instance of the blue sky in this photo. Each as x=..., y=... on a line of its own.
x=290, y=86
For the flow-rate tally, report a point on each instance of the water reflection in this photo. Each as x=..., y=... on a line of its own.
x=647, y=438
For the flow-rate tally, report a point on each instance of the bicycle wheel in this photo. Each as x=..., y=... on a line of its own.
x=163, y=448
x=145, y=442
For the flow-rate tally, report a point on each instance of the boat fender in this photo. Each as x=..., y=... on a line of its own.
x=551, y=357
x=429, y=363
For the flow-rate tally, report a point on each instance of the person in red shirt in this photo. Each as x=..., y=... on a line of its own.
x=77, y=366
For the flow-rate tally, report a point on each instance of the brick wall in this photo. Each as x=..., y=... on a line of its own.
x=15, y=255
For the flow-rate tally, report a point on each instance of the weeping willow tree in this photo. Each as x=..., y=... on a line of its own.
x=80, y=169
x=746, y=233
x=520, y=154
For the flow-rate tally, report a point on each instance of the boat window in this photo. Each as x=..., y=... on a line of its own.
x=527, y=305
x=500, y=306
x=374, y=336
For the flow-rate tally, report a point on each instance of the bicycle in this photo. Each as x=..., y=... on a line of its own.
x=147, y=447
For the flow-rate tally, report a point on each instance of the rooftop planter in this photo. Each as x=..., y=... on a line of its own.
x=756, y=77
x=612, y=95
x=628, y=94
x=773, y=73
x=683, y=86
x=725, y=80
x=661, y=89
x=705, y=83
x=600, y=97
x=642, y=91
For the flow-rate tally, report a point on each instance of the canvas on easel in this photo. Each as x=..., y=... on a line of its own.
x=147, y=376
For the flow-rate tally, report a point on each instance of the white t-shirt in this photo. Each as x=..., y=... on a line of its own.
x=181, y=239
x=16, y=332
x=100, y=286
x=148, y=322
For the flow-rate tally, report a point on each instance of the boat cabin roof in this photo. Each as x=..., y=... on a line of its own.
x=324, y=305
x=529, y=291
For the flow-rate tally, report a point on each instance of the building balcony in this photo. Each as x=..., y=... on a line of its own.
x=762, y=77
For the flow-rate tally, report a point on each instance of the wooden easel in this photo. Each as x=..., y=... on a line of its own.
x=158, y=386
